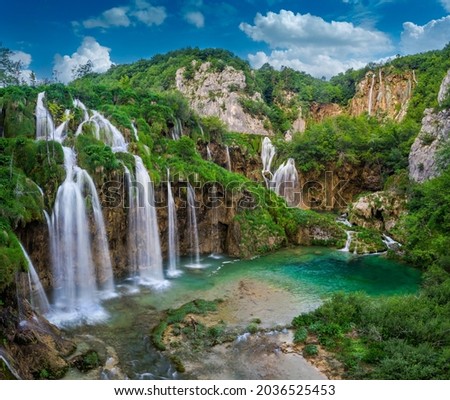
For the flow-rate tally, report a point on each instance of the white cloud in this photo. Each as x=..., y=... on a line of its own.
x=446, y=4
x=148, y=14
x=139, y=11
x=90, y=50
x=195, y=18
x=22, y=57
x=116, y=16
x=311, y=44
x=431, y=36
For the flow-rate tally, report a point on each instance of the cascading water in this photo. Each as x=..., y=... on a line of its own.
x=391, y=243
x=172, y=232
x=192, y=228
x=144, y=246
x=372, y=84
x=38, y=298
x=77, y=278
x=76, y=295
x=45, y=127
x=145, y=254
x=267, y=154
x=135, y=132
x=228, y=158
x=208, y=153
x=215, y=222
x=348, y=242
x=177, y=129
x=285, y=180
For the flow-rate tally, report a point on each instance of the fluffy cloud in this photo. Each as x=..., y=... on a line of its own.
x=148, y=14
x=446, y=5
x=90, y=50
x=25, y=61
x=116, y=16
x=139, y=11
x=431, y=36
x=311, y=44
x=195, y=18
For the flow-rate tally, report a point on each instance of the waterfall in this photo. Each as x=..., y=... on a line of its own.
x=285, y=180
x=45, y=128
x=370, y=94
x=135, y=132
x=172, y=231
x=192, y=226
x=61, y=130
x=177, y=129
x=215, y=222
x=38, y=298
x=348, y=242
x=8, y=365
x=228, y=159
x=390, y=243
x=146, y=258
x=208, y=153
x=267, y=154
x=78, y=104
x=75, y=285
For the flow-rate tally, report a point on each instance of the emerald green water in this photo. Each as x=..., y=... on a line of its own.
x=287, y=283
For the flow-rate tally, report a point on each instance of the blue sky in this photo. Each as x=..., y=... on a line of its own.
x=321, y=37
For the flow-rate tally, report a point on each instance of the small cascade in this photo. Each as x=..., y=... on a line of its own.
x=343, y=220
x=145, y=250
x=267, y=154
x=208, y=153
x=135, y=131
x=38, y=298
x=172, y=231
x=228, y=158
x=177, y=129
x=45, y=128
x=348, y=242
x=369, y=107
x=285, y=180
x=61, y=130
x=201, y=130
x=390, y=243
x=8, y=365
x=78, y=104
x=192, y=227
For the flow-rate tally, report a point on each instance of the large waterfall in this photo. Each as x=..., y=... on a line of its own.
x=45, y=128
x=76, y=287
x=192, y=228
x=285, y=180
x=146, y=258
x=172, y=270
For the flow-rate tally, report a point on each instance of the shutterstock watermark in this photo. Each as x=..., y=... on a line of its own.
x=324, y=194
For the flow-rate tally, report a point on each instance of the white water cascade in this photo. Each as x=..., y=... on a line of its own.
x=38, y=298
x=45, y=127
x=228, y=158
x=285, y=180
x=348, y=242
x=391, y=243
x=177, y=129
x=77, y=278
x=267, y=154
x=80, y=280
x=372, y=84
x=144, y=246
x=145, y=250
x=135, y=131
x=192, y=228
x=172, y=270
x=208, y=153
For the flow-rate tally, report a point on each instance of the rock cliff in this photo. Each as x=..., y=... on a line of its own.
x=384, y=93
x=434, y=134
x=214, y=93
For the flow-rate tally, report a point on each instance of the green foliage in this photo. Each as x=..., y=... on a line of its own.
x=310, y=350
x=94, y=154
x=300, y=335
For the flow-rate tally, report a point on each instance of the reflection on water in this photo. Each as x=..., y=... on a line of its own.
x=282, y=285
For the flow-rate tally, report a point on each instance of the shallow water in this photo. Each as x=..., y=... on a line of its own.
x=273, y=288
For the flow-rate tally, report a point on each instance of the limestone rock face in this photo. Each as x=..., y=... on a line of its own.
x=384, y=94
x=444, y=89
x=321, y=111
x=212, y=93
x=380, y=211
x=434, y=133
